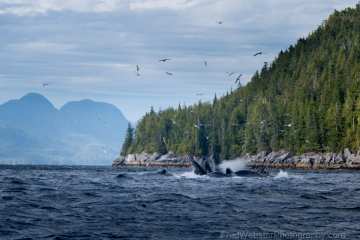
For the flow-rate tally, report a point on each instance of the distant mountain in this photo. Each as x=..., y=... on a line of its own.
x=33, y=112
x=82, y=132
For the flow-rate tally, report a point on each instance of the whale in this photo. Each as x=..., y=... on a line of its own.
x=210, y=168
x=218, y=174
x=164, y=172
x=248, y=173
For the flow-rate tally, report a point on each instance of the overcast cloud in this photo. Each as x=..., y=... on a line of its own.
x=89, y=49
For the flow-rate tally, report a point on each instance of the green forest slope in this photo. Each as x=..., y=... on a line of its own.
x=307, y=99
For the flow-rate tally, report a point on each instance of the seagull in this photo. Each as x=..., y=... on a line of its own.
x=230, y=73
x=205, y=63
x=137, y=68
x=191, y=111
x=259, y=53
x=168, y=73
x=207, y=137
x=196, y=126
x=289, y=125
x=174, y=122
x=286, y=114
x=199, y=94
x=164, y=140
x=238, y=78
x=248, y=123
x=45, y=84
x=164, y=60
x=219, y=22
x=262, y=121
x=104, y=150
x=137, y=74
x=308, y=141
x=101, y=120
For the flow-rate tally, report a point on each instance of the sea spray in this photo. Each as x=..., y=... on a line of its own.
x=235, y=165
x=282, y=174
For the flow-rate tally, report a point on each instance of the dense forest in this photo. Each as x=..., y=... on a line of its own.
x=307, y=99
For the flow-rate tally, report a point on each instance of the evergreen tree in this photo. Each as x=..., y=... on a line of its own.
x=128, y=140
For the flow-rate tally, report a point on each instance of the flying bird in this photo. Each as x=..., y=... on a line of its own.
x=197, y=126
x=45, y=84
x=220, y=22
x=101, y=120
x=230, y=73
x=174, y=122
x=205, y=62
x=137, y=68
x=104, y=150
x=168, y=73
x=259, y=53
x=238, y=79
x=199, y=94
x=137, y=74
x=308, y=141
x=164, y=60
x=289, y=125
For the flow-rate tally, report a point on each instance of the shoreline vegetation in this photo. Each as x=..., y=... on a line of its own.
x=306, y=100
x=344, y=160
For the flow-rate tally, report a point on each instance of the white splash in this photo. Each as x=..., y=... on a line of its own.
x=235, y=165
x=282, y=174
x=189, y=175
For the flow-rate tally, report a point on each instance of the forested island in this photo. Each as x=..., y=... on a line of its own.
x=306, y=100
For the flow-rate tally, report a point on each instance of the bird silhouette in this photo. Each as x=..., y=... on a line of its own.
x=259, y=53
x=137, y=74
x=137, y=68
x=45, y=84
x=238, y=78
x=164, y=60
x=220, y=22
x=205, y=62
x=168, y=73
x=230, y=73
x=199, y=94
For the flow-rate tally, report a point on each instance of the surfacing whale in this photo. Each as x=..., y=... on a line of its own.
x=210, y=167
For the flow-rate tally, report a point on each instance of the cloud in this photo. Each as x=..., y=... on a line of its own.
x=41, y=47
x=90, y=48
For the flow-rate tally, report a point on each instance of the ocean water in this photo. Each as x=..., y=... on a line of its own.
x=100, y=202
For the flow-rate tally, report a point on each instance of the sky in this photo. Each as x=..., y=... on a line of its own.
x=89, y=49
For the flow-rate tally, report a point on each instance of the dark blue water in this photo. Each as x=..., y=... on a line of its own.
x=89, y=202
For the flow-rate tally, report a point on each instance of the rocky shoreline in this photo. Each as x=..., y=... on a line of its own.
x=344, y=160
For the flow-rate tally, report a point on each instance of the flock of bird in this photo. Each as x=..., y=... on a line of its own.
x=201, y=94
x=205, y=62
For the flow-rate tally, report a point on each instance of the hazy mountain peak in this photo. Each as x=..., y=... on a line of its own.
x=35, y=99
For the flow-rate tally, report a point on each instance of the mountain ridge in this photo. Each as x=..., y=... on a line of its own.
x=48, y=135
